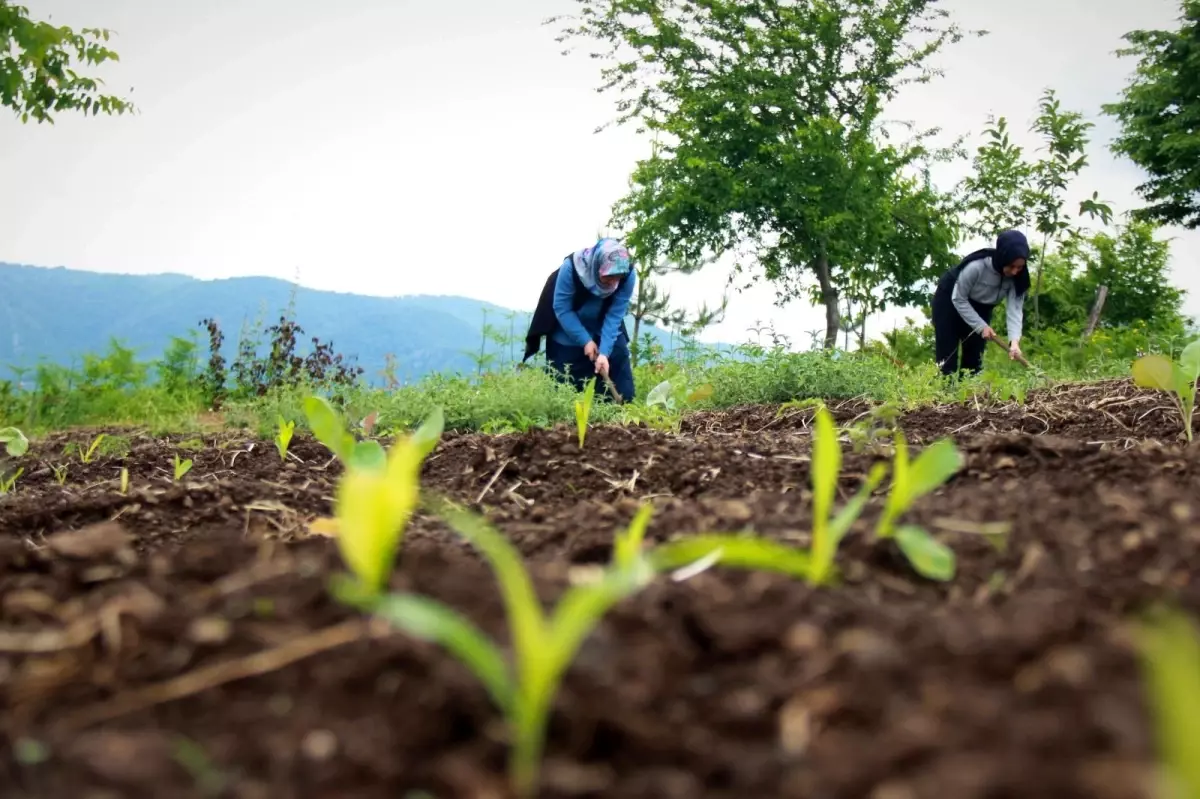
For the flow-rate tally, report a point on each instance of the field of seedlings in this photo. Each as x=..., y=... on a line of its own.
x=170, y=626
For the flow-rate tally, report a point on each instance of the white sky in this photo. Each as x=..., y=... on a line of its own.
x=419, y=147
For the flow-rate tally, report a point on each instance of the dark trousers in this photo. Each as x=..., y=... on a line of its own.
x=570, y=363
x=950, y=331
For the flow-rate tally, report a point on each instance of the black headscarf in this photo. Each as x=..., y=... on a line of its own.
x=1010, y=245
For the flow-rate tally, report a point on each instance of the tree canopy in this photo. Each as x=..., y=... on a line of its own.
x=768, y=115
x=38, y=77
x=1159, y=115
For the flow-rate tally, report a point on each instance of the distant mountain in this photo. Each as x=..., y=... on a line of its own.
x=59, y=314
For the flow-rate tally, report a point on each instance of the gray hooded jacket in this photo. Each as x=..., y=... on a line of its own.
x=978, y=281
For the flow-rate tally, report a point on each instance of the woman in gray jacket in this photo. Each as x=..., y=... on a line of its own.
x=966, y=296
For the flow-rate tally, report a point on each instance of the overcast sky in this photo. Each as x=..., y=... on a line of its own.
x=420, y=147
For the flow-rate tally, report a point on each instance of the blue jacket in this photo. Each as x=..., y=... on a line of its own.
x=576, y=329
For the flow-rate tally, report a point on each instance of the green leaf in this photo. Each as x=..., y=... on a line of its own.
x=524, y=611
x=430, y=620
x=936, y=464
x=1154, y=371
x=427, y=436
x=368, y=455
x=742, y=552
x=842, y=522
x=930, y=557
x=328, y=428
x=1171, y=662
x=14, y=441
x=1189, y=360
x=627, y=547
x=581, y=608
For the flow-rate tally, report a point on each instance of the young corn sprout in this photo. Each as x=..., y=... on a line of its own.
x=9, y=482
x=60, y=472
x=826, y=466
x=583, y=410
x=284, y=437
x=124, y=480
x=1170, y=650
x=182, y=468
x=86, y=455
x=377, y=493
x=543, y=647
x=1176, y=379
x=912, y=480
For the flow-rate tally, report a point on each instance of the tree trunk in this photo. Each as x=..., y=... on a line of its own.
x=829, y=297
x=1094, y=316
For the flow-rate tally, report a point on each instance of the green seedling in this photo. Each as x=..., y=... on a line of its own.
x=87, y=455
x=1176, y=379
x=543, y=647
x=182, y=468
x=7, y=484
x=1170, y=652
x=60, y=473
x=14, y=441
x=912, y=480
x=124, y=480
x=713, y=549
x=374, y=499
x=328, y=427
x=829, y=530
x=284, y=437
x=583, y=410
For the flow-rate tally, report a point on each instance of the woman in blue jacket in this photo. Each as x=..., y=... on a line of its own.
x=582, y=315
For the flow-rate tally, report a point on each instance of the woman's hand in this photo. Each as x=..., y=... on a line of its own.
x=988, y=333
x=602, y=365
x=1014, y=350
x=591, y=350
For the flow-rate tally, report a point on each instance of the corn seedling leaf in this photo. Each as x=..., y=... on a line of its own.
x=936, y=464
x=369, y=456
x=426, y=437
x=430, y=620
x=700, y=394
x=1171, y=663
x=930, y=557
x=1154, y=371
x=182, y=467
x=327, y=426
x=627, y=548
x=739, y=552
x=284, y=437
x=14, y=441
x=583, y=410
x=1189, y=360
x=853, y=509
x=825, y=467
x=324, y=526
x=521, y=603
x=543, y=649
x=372, y=508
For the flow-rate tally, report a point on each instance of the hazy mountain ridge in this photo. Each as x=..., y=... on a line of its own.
x=59, y=314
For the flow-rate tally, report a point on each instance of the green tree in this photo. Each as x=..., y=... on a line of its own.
x=38, y=74
x=771, y=114
x=1159, y=116
x=1008, y=191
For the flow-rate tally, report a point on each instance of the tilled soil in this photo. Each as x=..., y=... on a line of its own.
x=184, y=643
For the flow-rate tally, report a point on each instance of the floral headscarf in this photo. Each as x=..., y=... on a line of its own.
x=607, y=258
